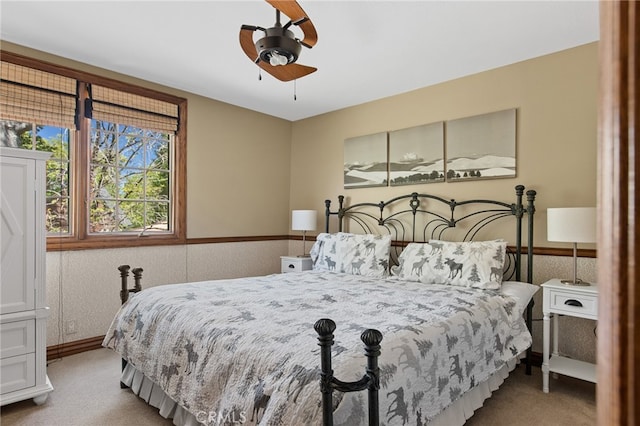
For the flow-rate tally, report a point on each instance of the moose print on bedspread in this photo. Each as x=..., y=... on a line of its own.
x=247, y=346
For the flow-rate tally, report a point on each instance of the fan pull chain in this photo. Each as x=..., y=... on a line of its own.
x=259, y=74
x=295, y=98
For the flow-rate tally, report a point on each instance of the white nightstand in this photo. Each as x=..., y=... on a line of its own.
x=576, y=301
x=295, y=264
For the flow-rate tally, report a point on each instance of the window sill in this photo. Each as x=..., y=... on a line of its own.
x=93, y=243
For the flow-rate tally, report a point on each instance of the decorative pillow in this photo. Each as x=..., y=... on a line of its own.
x=355, y=254
x=324, y=252
x=476, y=264
x=412, y=262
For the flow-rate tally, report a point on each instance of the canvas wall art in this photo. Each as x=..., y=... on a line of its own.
x=366, y=161
x=416, y=155
x=481, y=146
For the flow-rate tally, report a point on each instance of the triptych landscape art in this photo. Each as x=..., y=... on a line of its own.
x=477, y=147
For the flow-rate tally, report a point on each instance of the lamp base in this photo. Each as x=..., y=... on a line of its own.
x=576, y=282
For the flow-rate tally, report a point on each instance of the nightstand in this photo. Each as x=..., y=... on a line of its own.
x=576, y=301
x=295, y=264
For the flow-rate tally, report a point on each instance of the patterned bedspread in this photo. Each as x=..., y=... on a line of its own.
x=245, y=349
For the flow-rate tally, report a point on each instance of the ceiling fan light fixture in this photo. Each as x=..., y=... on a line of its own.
x=278, y=46
x=278, y=50
x=277, y=59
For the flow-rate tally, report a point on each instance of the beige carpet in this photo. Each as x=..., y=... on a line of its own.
x=87, y=393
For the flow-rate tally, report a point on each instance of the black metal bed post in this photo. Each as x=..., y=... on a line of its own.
x=325, y=329
x=371, y=379
x=519, y=213
x=531, y=196
x=137, y=276
x=124, y=295
x=372, y=339
x=124, y=274
x=339, y=213
x=327, y=213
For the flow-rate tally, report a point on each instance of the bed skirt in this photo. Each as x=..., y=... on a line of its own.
x=455, y=414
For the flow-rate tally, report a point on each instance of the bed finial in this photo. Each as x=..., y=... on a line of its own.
x=137, y=276
x=124, y=273
x=324, y=327
x=531, y=197
x=327, y=214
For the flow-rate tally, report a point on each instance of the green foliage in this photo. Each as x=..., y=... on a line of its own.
x=57, y=173
x=130, y=179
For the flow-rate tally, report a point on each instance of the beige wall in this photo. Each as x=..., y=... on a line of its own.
x=556, y=101
x=237, y=171
x=84, y=285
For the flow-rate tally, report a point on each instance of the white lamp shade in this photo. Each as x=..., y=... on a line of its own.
x=303, y=220
x=572, y=224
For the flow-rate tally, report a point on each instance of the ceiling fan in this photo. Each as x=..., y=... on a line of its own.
x=278, y=50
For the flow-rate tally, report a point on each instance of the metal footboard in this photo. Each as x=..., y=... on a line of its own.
x=124, y=293
x=371, y=379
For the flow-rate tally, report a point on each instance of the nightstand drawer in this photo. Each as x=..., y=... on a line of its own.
x=18, y=338
x=295, y=264
x=582, y=305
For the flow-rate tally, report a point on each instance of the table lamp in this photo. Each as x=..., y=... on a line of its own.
x=303, y=220
x=573, y=225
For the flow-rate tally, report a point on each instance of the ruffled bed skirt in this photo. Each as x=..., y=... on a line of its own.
x=464, y=407
x=153, y=395
x=455, y=414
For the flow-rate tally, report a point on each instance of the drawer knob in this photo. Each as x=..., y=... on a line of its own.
x=573, y=302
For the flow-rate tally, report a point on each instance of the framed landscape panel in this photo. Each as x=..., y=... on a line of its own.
x=481, y=147
x=365, y=161
x=416, y=155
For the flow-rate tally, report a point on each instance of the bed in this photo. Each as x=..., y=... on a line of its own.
x=454, y=315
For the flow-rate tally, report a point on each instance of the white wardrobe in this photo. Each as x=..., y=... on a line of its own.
x=23, y=310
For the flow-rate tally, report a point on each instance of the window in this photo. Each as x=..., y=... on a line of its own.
x=55, y=140
x=116, y=173
x=130, y=180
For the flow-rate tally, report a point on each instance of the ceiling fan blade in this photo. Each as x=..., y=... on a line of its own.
x=293, y=10
x=246, y=42
x=251, y=27
x=287, y=72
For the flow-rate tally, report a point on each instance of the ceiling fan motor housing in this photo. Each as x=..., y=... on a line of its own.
x=280, y=41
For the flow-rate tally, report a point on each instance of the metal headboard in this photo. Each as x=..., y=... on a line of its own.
x=420, y=217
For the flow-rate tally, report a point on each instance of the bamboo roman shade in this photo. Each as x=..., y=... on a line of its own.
x=120, y=107
x=41, y=97
x=31, y=95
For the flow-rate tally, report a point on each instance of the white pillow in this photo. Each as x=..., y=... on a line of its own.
x=412, y=261
x=522, y=292
x=475, y=264
x=357, y=254
x=323, y=252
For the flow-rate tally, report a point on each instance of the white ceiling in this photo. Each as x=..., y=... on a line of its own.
x=366, y=50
